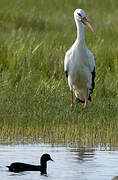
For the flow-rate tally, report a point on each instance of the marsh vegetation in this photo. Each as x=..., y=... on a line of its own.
x=34, y=94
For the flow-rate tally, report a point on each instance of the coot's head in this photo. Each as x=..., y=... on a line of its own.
x=46, y=157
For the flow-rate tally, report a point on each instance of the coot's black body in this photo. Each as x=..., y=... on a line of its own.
x=19, y=167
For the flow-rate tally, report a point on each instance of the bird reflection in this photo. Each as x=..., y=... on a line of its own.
x=115, y=178
x=84, y=154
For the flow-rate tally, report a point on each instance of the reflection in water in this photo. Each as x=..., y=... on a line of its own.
x=69, y=163
x=84, y=154
x=115, y=178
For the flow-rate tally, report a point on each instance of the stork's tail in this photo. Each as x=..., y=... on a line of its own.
x=78, y=100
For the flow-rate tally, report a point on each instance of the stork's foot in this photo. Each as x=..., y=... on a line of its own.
x=86, y=99
x=71, y=98
x=85, y=105
x=71, y=105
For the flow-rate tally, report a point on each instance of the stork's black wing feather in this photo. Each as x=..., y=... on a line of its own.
x=66, y=73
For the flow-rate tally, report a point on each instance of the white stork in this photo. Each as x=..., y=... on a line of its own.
x=79, y=64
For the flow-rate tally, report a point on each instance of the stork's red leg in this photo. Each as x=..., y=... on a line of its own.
x=71, y=98
x=86, y=98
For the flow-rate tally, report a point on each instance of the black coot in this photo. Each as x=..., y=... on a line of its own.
x=19, y=167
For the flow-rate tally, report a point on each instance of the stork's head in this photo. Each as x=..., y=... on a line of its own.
x=80, y=16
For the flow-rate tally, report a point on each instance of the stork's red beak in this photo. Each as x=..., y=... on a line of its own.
x=85, y=21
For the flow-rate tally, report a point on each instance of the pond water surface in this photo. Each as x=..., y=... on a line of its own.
x=69, y=163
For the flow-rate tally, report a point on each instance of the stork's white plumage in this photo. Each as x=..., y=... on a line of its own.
x=79, y=63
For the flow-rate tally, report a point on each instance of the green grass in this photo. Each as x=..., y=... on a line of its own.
x=34, y=93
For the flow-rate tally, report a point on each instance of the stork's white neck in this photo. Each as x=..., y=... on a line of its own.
x=80, y=32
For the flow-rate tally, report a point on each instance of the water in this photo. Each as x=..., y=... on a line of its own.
x=69, y=163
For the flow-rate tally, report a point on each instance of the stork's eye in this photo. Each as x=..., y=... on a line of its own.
x=79, y=14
